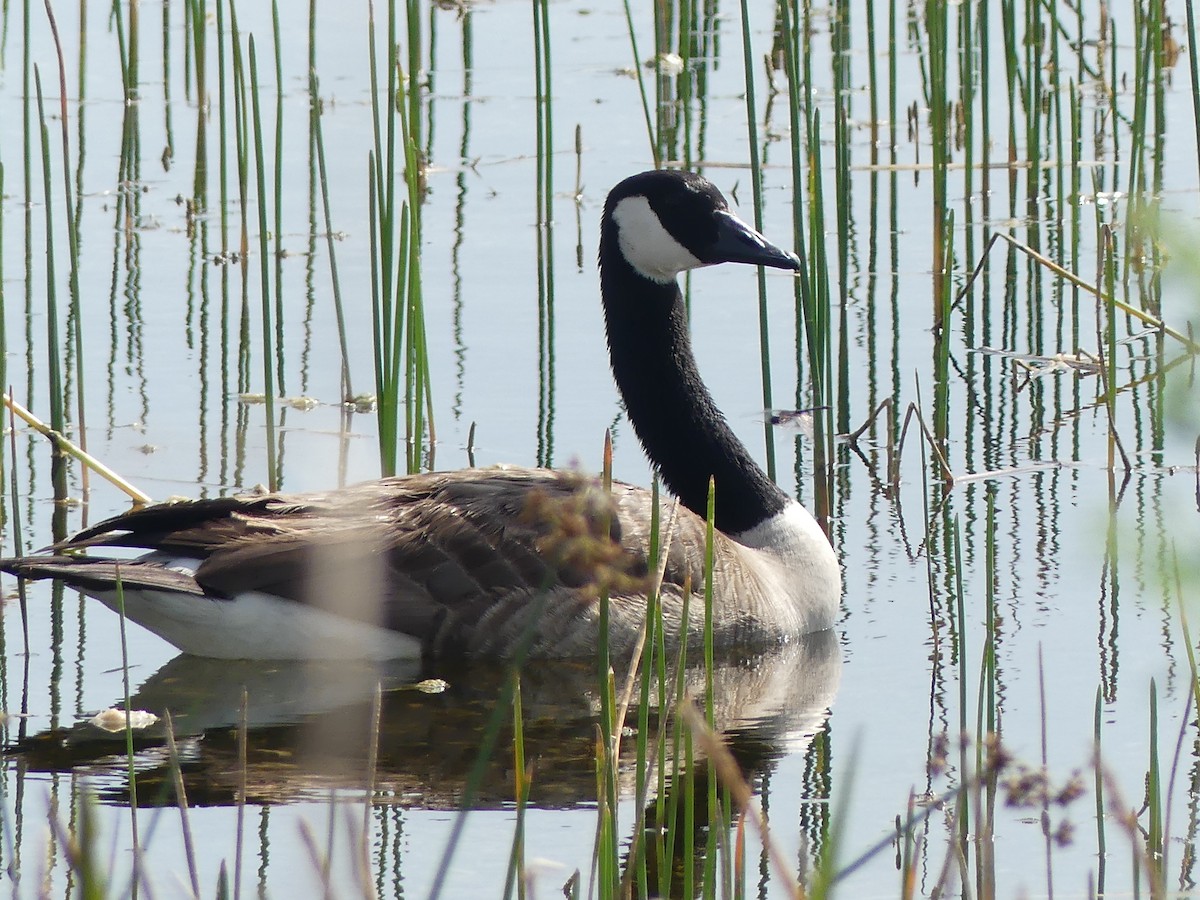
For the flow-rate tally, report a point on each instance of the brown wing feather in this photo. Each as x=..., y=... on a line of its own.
x=102, y=574
x=468, y=561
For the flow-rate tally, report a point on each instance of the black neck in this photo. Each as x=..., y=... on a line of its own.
x=679, y=425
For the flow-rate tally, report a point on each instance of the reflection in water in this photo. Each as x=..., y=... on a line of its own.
x=460, y=206
x=309, y=729
x=309, y=726
x=545, y=240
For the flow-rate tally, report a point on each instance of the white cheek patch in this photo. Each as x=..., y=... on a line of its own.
x=648, y=246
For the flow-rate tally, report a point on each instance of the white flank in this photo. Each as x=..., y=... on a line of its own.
x=256, y=625
x=795, y=558
x=647, y=245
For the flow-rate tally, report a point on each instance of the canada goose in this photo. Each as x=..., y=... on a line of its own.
x=470, y=562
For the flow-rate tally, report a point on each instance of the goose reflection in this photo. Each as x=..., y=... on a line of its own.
x=309, y=727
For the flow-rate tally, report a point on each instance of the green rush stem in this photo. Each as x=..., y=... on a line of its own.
x=381, y=182
x=817, y=323
x=807, y=306
x=132, y=769
x=222, y=129
x=604, y=681
x=764, y=334
x=1098, y=768
x=198, y=47
x=27, y=156
x=872, y=82
x=940, y=138
x=842, y=205
x=408, y=280
x=515, y=876
x=72, y=245
x=265, y=271
x=57, y=419
x=1155, y=839
x=710, y=714
x=941, y=403
x=1109, y=260
x=687, y=77
x=641, y=82
x=319, y=141
x=278, y=198
x=963, y=818
x=413, y=9
x=1194, y=71
x=122, y=49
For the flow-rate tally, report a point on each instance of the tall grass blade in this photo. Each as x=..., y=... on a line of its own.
x=264, y=255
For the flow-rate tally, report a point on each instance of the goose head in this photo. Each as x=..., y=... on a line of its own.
x=666, y=222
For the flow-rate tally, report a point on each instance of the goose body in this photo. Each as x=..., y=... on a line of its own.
x=481, y=562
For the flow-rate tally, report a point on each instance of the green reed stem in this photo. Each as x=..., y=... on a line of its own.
x=641, y=83
x=385, y=186
x=709, y=543
x=687, y=79
x=608, y=867
x=710, y=714
x=941, y=393
x=1194, y=72
x=1156, y=848
x=278, y=205
x=1098, y=772
x=72, y=242
x=842, y=150
x=412, y=131
x=381, y=188
x=545, y=230
x=764, y=334
x=673, y=832
x=319, y=143
x=222, y=128
x=1108, y=260
x=265, y=273
x=123, y=52
x=937, y=31
x=812, y=320
x=418, y=390
x=516, y=860
x=963, y=815
x=401, y=359
x=985, y=722
x=817, y=317
x=53, y=352
x=27, y=156
x=650, y=664
x=131, y=769
x=873, y=83
x=198, y=48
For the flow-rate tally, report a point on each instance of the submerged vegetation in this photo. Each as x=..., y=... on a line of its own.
x=221, y=221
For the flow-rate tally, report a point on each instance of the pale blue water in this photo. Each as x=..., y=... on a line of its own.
x=153, y=373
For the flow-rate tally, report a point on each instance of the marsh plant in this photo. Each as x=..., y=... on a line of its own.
x=249, y=245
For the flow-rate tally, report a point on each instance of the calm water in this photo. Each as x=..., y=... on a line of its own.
x=1081, y=608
